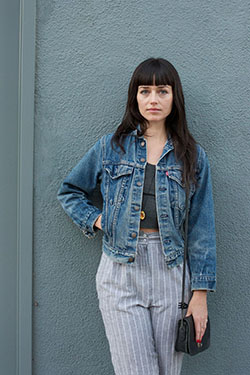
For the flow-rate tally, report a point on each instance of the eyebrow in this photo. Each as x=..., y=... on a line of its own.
x=160, y=86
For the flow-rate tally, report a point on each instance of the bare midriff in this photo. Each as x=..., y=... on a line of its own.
x=149, y=230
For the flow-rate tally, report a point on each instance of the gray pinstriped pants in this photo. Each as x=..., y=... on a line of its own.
x=139, y=307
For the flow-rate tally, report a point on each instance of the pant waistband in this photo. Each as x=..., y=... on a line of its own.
x=148, y=235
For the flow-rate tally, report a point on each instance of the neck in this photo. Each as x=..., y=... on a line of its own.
x=157, y=133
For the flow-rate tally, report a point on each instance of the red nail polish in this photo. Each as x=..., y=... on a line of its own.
x=198, y=341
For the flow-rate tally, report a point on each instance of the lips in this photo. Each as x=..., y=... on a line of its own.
x=154, y=109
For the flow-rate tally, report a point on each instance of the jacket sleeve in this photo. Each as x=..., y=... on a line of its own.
x=74, y=191
x=201, y=230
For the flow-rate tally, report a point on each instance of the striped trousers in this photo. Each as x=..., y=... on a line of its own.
x=139, y=307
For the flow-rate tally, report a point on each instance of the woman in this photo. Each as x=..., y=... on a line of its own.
x=144, y=169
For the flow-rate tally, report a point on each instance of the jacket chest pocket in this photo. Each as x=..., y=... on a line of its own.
x=177, y=190
x=118, y=176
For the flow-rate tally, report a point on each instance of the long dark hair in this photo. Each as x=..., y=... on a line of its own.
x=160, y=72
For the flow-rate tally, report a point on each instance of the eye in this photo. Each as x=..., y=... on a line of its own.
x=144, y=91
x=163, y=92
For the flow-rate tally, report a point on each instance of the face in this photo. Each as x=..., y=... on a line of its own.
x=155, y=102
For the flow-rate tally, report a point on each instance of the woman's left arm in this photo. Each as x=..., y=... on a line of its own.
x=201, y=230
x=201, y=245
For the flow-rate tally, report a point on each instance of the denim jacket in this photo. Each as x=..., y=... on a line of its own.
x=121, y=178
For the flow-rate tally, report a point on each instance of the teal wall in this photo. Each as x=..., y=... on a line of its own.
x=17, y=71
x=9, y=26
x=86, y=52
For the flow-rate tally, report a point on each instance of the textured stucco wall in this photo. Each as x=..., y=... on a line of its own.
x=86, y=52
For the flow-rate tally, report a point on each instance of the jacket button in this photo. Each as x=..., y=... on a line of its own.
x=133, y=235
x=142, y=143
x=138, y=183
x=131, y=259
x=142, y=160
x=137, y=208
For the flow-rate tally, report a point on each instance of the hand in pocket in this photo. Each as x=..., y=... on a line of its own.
x=98, y=222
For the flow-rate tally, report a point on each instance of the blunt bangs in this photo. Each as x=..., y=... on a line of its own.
x=154, y=72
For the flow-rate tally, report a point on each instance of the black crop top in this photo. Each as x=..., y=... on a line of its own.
x=148, y=201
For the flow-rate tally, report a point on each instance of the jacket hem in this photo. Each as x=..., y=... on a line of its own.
x=118, y=255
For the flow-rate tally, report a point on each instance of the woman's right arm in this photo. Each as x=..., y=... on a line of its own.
x=74, y=191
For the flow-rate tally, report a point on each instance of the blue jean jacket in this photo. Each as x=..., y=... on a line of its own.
x=121, y=178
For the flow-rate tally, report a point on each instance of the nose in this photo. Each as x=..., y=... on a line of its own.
x=153, y=97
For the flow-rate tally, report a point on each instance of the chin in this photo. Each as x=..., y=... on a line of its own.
x=155, y=118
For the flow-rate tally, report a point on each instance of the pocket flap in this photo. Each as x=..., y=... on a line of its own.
x=117, y=170
x=176, y=175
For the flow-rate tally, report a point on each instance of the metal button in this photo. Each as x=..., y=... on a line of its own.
x=138, y=183
x=142, y=160
x=131, y=259
x=133, y=235
x=142, y=143
x=137, y=208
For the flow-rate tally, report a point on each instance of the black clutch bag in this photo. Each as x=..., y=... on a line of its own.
x=185, y=341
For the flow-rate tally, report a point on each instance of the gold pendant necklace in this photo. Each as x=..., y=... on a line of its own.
x=143, y=214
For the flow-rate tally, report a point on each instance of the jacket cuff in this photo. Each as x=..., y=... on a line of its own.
x=203, y=282
x=88, y=228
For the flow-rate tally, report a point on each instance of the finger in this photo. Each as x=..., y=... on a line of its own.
x=198, y=336
x=200, y=331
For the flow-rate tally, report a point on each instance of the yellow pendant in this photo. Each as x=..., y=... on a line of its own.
x=142, y=216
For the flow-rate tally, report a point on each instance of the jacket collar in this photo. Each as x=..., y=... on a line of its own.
x=169, y=143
